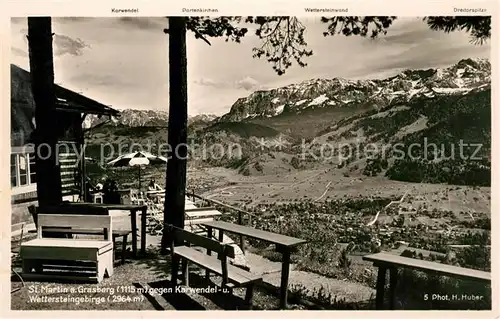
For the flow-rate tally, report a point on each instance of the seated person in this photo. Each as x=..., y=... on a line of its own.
x=153, y=186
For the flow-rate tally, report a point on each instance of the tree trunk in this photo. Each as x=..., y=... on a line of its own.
x=42, y=86
x=177, y=128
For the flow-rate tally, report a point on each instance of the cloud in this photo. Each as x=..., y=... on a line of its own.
x=156, y=23
x=418, y=57
x=19, y=20
x=248, y=83
x=99, y=79
x=24, y=20
x=67, y=45
x=63, y=44
x=18, y=52
x=209, y=82
x=72, y=19
x=409, y=37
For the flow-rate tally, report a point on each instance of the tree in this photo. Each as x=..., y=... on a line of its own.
x=344, y=260
x=42, y=86
x=177, y=128
x=478, y=27
x=282, y=43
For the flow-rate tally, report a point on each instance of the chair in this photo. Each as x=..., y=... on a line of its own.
x=157, y=195
x=136, y=197
x=155, y=220
x=97, y=198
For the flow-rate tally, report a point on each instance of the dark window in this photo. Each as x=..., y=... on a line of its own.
x=13, y=170
x=32, y=168
x=22, y=169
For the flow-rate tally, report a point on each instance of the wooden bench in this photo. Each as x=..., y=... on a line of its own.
x=200, y=215
x=385, y=261
x=232, y=276
x=68, y=258
x=68, y=232
x=284, y=244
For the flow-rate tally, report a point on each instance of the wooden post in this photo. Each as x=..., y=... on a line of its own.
x=80, y=142
x=393, y=278
x=46, y=132
x=175, y=262
x=223, y=260
x=249, y=296
x=379, y=300
x=242, y=239
x=185, y=271
x=285, y=273
x=177, y=128
x=124, y=248
x=209, y=252
x=133, y=224
x=144, y=215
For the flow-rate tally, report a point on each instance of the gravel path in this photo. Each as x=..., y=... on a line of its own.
x=271, y=271
x=337, y=289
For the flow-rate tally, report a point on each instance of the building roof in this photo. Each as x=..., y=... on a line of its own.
x=23, y=105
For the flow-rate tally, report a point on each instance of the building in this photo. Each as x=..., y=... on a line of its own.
x=71, y=108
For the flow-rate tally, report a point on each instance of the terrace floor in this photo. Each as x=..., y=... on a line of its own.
x=121, y=291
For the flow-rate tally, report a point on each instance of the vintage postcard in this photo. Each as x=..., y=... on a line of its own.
x=217, y=157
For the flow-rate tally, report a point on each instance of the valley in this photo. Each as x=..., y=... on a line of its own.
x=325, y=167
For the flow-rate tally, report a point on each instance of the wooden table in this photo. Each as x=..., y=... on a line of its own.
x=392, y=262
x=156, y=195
x=159, y=192
x=284, y=245
x=103, y=209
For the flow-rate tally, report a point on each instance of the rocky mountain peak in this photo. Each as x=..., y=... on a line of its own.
x=460, y=78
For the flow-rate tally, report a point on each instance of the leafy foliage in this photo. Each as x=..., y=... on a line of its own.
x=283, y=41
x=375, y=166
x=479, y=27
x=361, y=26
x=344, y=261
x=283, y=36
x=216, y=27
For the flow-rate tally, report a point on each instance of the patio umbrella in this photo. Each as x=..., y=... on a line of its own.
x=137, y=159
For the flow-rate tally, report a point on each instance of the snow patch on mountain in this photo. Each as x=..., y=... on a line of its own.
x=390, y=111
x=279, y=109
x=319, y=100
x=451, y=90
x=136, y=118
x=418, y=125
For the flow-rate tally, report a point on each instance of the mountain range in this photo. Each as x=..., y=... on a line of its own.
x=138, y=118
x=446, y=106
x=460, y=78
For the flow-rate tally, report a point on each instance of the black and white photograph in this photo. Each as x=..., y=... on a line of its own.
x=251, y=163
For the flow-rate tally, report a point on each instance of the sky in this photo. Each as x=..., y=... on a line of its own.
x=123, y=62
